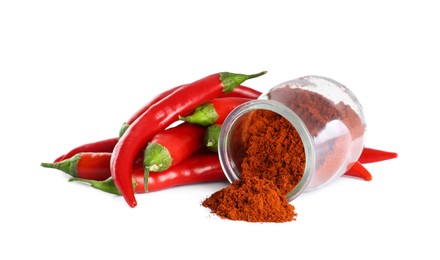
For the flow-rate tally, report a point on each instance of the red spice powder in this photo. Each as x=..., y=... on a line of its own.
x=253, y=200
x=273, y=164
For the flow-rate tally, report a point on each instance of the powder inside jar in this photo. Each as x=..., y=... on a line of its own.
x=273, y=164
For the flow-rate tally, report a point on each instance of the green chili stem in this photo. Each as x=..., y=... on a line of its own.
x=106, y=186
x=232, y=80
x=68, y=166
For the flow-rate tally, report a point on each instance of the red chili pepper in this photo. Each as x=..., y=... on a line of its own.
x=214, y=112
x=181, y=102
x=171, y=146
x=145, y=108
x=370, y=155
x=359, y=171
x=104, y=146
x=88, y=165
x=197, y=168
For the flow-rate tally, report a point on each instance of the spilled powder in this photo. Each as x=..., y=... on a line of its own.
x=253, y=200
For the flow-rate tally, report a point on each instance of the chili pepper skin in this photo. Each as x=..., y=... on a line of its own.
x=214, y=112
x=104, y=146
x=244, y=92
x=145, y=108
x=370, y=155
x=197, y=168
x=85, y=165
x=359, y=171
x=181, y=102
x=210, y=138
x=171, y=146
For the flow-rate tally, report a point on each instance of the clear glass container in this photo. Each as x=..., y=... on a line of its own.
x=325, y=113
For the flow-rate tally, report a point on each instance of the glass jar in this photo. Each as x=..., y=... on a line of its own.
x=327, y=116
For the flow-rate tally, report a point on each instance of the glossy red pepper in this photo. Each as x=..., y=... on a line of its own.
x=244, y=92
x=214, y=111
x=370, y=155
x=359, y=171
x=181, y=102
x=173, y=145
x=144, y=108
x=197, y=168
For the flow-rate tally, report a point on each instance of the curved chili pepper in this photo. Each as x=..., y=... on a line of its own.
x=359, y=171
x=370, y=155
x=171, y=146
x=240, y=91
x=181, y=102
x=144, y=108
x=214, y=112
x=210, y=139
x=88, y=165
x=197, y=168
x=105, y=146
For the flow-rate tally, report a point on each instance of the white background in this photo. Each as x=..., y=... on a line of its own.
x=72, y=72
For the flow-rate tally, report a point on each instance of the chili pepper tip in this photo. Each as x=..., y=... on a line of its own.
x=67, y=165
x=370, y=155
x=359, y=171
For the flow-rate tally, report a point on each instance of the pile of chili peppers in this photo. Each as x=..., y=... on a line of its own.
x=171, y=141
